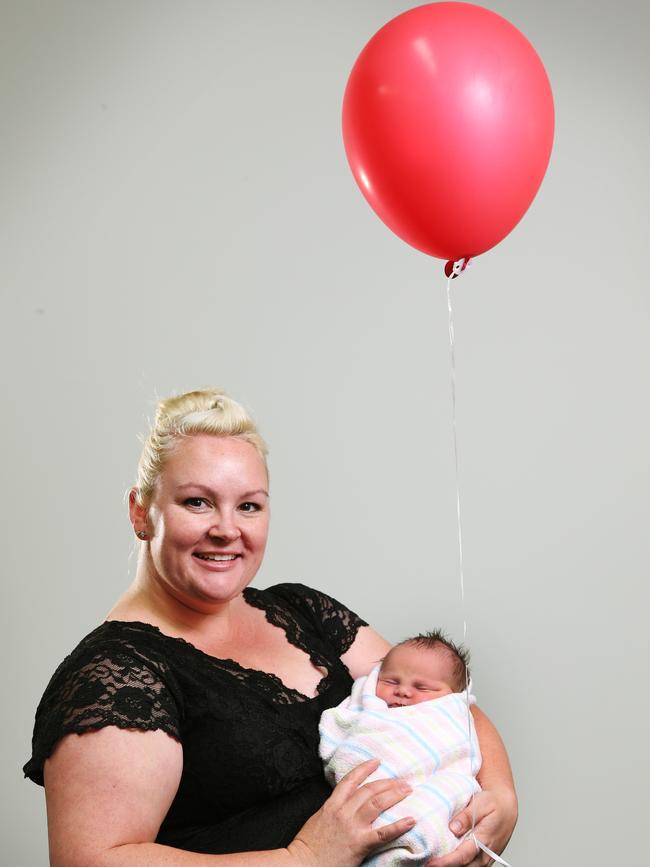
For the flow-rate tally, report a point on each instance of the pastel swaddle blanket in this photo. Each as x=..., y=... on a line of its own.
x=426, y=744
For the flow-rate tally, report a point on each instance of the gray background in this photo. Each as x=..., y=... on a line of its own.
x=176, y=210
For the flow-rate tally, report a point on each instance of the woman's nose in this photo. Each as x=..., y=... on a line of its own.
x=224, y=527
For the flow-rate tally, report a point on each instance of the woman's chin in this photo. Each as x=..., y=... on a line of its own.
x=206, y=594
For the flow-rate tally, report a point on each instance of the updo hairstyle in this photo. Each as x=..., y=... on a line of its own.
x=210, y=411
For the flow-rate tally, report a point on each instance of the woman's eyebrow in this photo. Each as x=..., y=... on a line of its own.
x=200, y=487
x=193, y=485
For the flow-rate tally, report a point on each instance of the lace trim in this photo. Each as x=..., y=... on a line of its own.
x=129, y=695
x=277, y=616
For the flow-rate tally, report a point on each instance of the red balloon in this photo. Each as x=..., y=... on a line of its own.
x=448, y=127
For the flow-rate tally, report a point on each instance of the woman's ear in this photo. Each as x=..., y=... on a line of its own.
x=137, y=514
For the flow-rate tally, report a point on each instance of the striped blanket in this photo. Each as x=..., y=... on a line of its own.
x=426, y=744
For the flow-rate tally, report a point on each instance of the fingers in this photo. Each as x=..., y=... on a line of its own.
x=479, y=807
x=461, y=823
x=373, y=798
x=357, y=804
x=390, y=832
x=346, y=787
x=490, y=829
x=354, y=778
x=464, y=856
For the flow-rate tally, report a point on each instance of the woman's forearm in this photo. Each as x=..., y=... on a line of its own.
x=156, y=855
x=495, y=772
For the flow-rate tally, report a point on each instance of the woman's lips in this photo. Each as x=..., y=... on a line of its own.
x=217, y=558
x=215, y=562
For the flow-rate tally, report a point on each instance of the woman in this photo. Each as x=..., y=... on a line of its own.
x=198, y=699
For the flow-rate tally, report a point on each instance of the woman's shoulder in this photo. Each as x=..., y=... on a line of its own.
x=116, y=675
x=118, y=640
x=294, y=595
x=332, y=619
x=291, y=591
x=296, y=592
x=114, y=651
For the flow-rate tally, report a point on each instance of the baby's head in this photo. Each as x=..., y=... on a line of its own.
x=421, y=668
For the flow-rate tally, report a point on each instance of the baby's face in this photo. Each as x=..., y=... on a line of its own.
x=410, y=674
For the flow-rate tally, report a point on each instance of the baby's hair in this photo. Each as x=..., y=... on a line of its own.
x=458, y=654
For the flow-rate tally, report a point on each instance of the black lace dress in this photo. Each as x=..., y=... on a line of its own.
x=251, y=771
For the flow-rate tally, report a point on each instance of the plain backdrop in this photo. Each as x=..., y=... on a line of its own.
x=176, y=210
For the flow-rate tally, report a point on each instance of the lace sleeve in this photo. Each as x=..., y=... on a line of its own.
x=112, y=687
x=336, y=622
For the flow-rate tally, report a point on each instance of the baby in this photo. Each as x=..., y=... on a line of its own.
x=420, y=669
x=412, y=713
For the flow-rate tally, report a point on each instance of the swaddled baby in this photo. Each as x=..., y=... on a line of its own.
x=412, y=713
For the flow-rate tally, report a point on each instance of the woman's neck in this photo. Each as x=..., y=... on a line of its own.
x=149, y=601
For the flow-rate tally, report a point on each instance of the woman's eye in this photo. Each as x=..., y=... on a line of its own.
x=194, y=502
x=250, y=507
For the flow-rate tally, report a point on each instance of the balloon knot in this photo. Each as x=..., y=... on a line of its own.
x=455, y=269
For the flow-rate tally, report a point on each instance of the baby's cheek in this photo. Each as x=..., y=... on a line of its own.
x=381, y=691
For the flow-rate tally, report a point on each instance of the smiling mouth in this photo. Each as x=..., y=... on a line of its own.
x=219, y=558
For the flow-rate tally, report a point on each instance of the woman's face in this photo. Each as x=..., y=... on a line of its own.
x=208, y=520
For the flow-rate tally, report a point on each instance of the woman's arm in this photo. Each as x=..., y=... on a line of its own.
x=495, y=770
x=108, y=792
x=367, y=649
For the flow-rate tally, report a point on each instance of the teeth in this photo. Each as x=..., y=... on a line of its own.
x=216, y=556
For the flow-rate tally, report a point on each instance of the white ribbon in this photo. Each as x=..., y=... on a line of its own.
x=472, y=836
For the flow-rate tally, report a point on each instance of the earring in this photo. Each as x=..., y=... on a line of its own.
x=141, y=535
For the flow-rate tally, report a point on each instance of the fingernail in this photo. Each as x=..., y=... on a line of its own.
x=456, y=827
x=405, y=787
x=410, y=821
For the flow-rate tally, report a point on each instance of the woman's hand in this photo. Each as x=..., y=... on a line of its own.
x=340, y=834
x=496, y=814
x=495, y=808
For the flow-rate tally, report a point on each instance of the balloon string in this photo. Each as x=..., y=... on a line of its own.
x=454, y=272
x=455, y=269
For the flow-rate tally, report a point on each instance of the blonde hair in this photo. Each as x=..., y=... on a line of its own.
x=209, y=411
